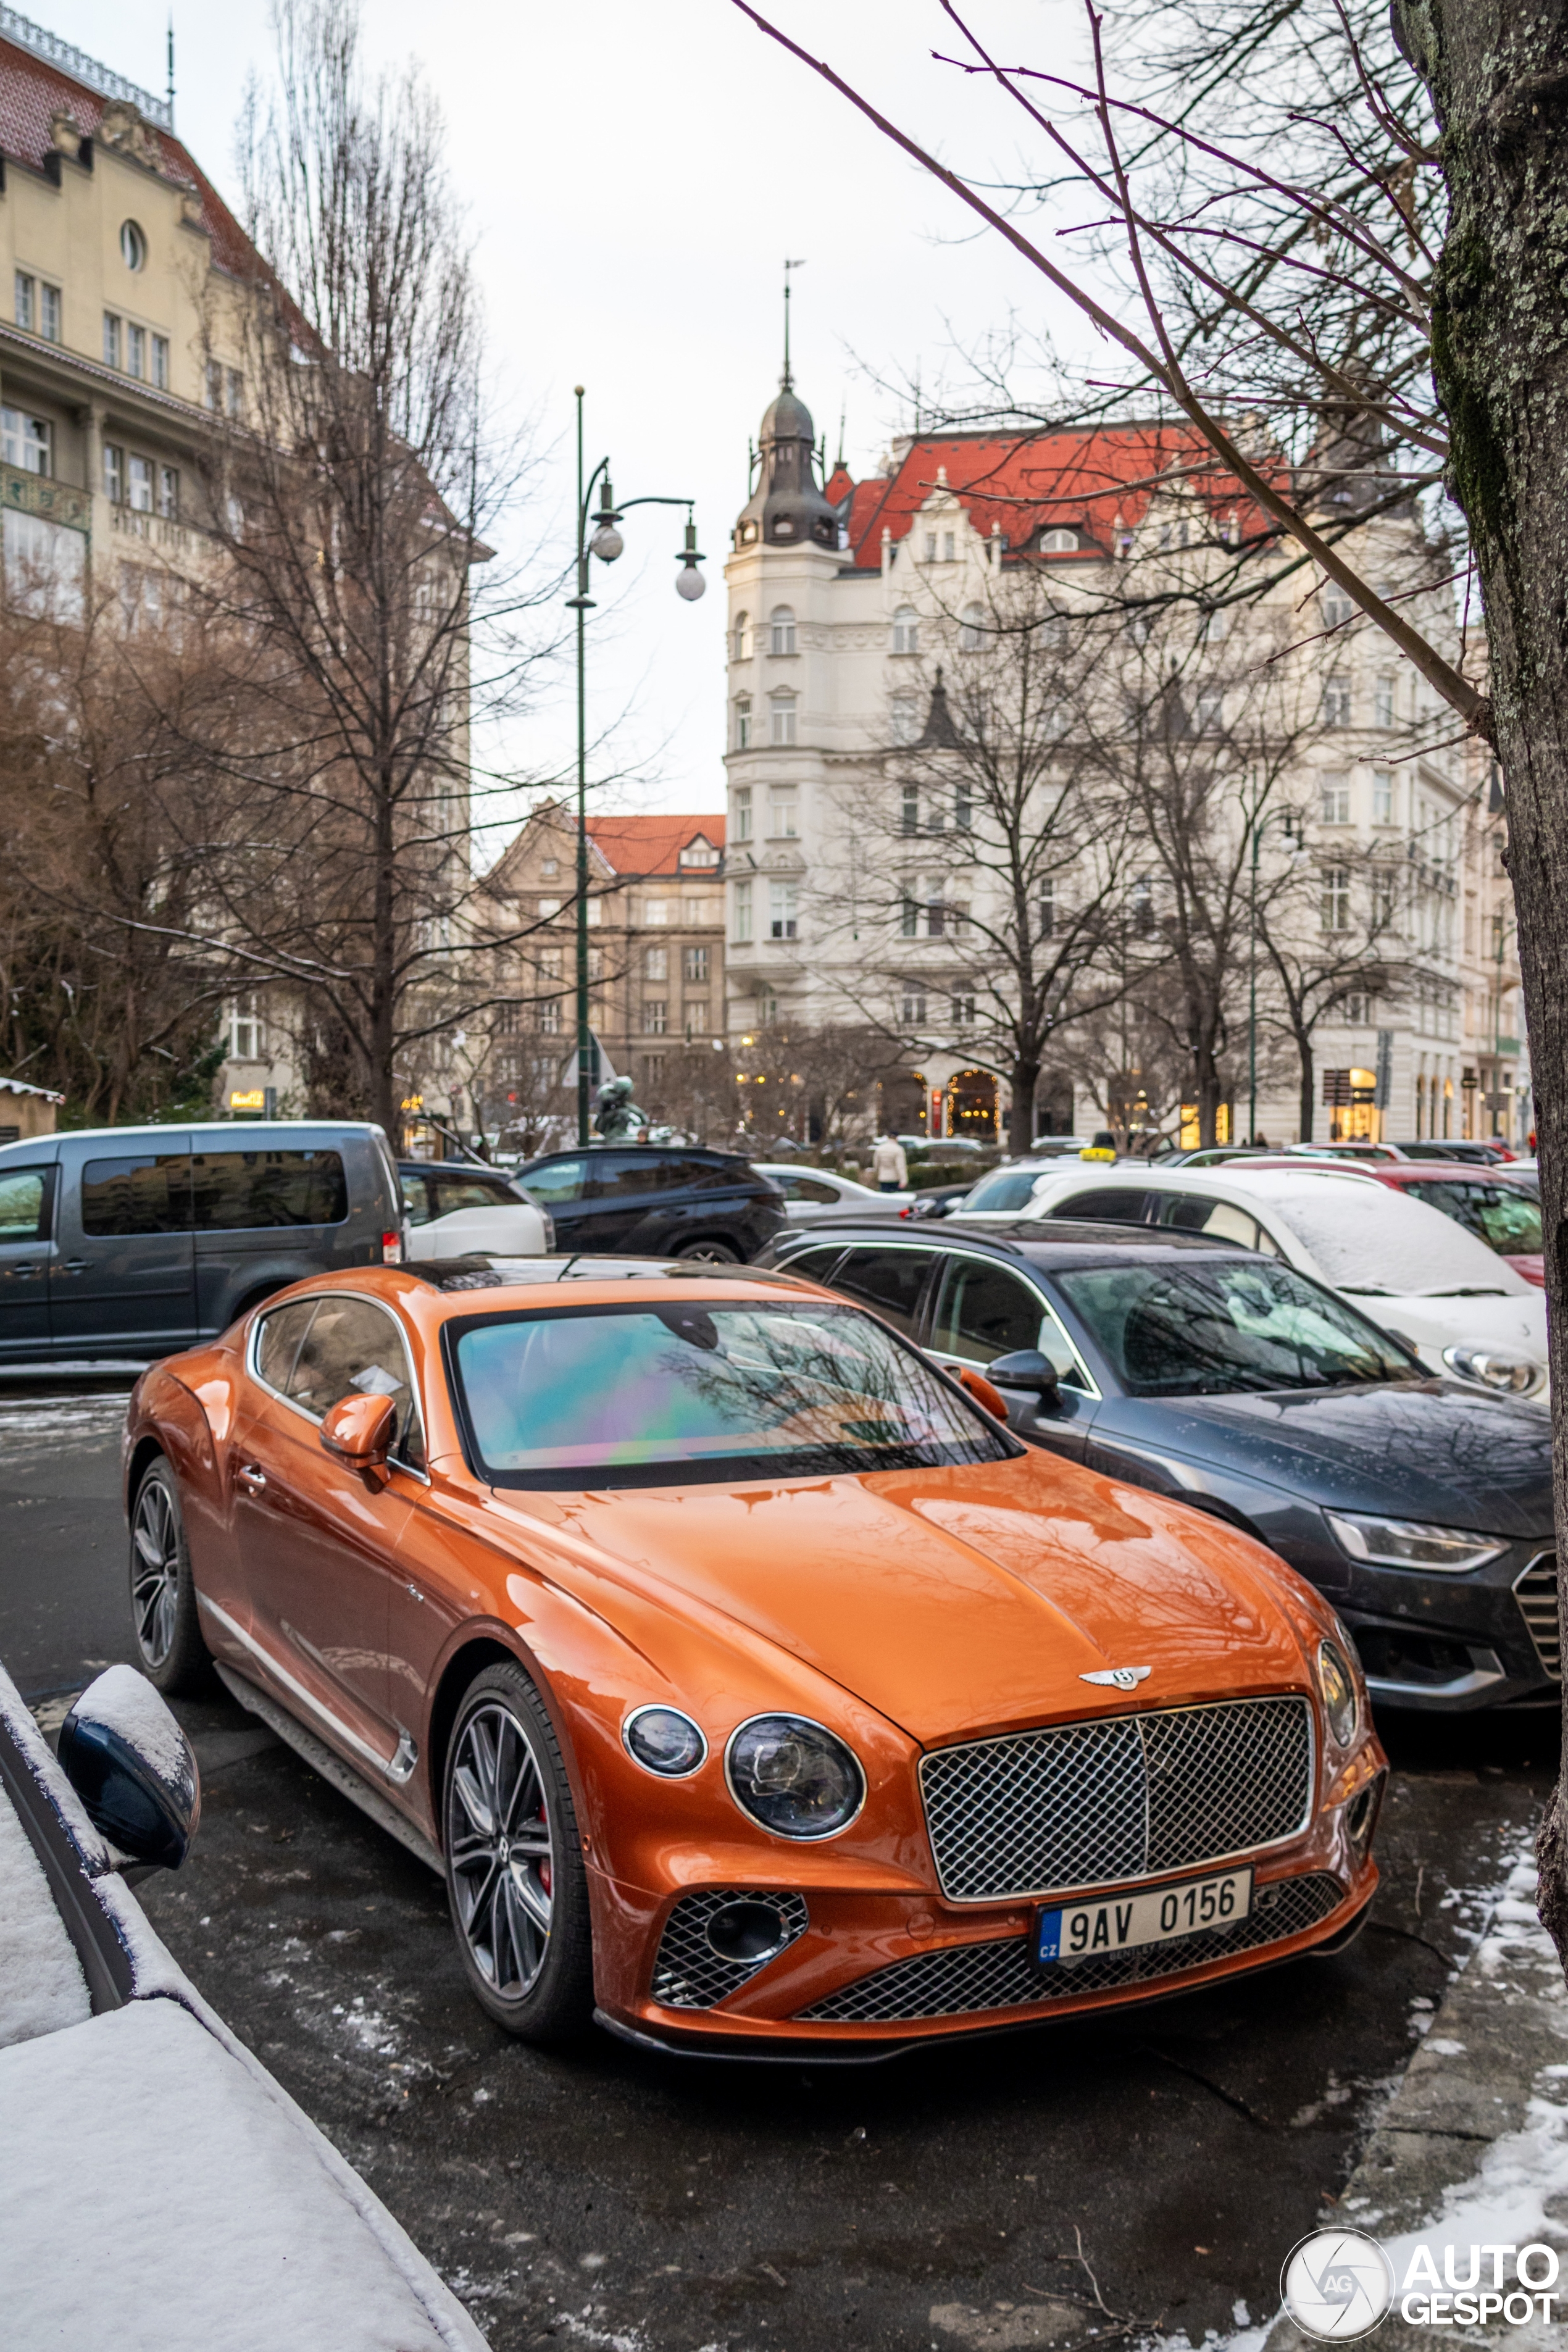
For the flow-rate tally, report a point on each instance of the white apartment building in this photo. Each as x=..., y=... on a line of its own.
x=843, y=597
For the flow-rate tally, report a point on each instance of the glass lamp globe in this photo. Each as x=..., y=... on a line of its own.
x=606, y=543
x=690, y=584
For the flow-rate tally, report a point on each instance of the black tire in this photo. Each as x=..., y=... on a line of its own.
x=713, y=1252
x=164, y=1624
x=515, y=1880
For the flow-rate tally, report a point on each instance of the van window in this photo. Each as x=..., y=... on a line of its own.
x=149, y=1193
x=24, y=1196
x=240, y=1191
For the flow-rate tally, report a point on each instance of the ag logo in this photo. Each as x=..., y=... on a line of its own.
x=1337, y=2284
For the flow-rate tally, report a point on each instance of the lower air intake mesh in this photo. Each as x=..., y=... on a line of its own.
x=965, y=1978
x=689, y=1973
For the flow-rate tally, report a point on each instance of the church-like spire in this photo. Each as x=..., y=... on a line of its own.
x=786, y=381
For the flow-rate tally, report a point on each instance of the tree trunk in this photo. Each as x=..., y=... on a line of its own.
x=1308, y=1107
x=1021, y=1115
x=1499, y=77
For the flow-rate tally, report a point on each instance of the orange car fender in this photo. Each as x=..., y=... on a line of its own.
x=167, y=1418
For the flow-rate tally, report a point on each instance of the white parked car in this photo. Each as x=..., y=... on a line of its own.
x=813, y=1193
x=1465, y=1312
x=500, y=1229
x=159, y=2191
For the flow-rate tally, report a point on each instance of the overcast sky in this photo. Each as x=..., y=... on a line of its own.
x=636, y=174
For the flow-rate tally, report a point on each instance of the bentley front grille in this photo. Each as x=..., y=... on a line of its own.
x=689, y=1973
x=966, y=1978
x=1536, y=1593
x=1118, y=1798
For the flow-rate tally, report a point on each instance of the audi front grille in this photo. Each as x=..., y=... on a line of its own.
x=1536, y=1593
x=1118, y=1798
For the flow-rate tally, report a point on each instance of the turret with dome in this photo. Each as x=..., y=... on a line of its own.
x=787, y=508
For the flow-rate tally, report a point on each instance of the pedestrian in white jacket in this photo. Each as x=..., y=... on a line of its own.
x=888, y=1166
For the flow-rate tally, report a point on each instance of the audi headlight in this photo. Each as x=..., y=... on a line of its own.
x=1410, y=1543
x=1336, y=1686
x=793, y=1777
x=1484, y=1368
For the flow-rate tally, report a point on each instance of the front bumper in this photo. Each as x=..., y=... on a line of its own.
x=865, y=1975
x=1453, y=1643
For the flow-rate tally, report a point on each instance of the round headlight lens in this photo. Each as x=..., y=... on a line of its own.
x=796, y=1779
x=1513, y=1375
x=1338, y=1687
x=665, y=1741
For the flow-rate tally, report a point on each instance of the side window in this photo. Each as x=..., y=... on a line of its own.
x=557, y=1180
x=815, y=1264
x=277, y=1343
x=417, y=1199
x=809, y=1188
x=986, y=1310
x=454, y=1192
x=1221, y=1220
x=1106, y=1203
x=630, y=1175
x=1510, y=1221
x=790, y=1186
x=249, y=1191
x=352, y=1348
x=24, y=1200
x=889, y=1281
x=148, y=1194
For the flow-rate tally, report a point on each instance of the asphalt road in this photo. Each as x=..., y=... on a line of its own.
x=1068, y=2186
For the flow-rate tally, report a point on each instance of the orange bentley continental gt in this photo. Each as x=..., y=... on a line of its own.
x=755, y=1691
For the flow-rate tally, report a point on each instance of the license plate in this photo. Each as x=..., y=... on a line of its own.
x=1078, y=1931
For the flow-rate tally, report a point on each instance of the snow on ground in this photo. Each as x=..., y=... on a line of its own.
x=41, y=1984
x=28, y=1421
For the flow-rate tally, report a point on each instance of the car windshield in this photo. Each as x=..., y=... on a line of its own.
x=1506, y=1219
x=642, y=1395
x=1010, y=1188
x=1213, y=1330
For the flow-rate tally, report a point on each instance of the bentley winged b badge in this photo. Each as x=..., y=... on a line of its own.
x=1119, y=1677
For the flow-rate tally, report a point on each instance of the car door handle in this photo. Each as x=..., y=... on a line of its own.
x=25, y=1273
x=74, y=1265
x=250, y=1478
x=414, y=1591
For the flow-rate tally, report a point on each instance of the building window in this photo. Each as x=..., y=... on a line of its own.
x=782, y=817
x=1383, y=796
x=782, y=903
x=1064, y=543
x=936, y=908
x=550, y=1017
x=160, y=362
x=656, y=964
x=781, y=630
x=550, y=963
x=906, y=718
x=1383, y=702
x=139, y=478
x=1336, y=897
x=1143, y=907
x=694, y=1016
x=50, y=313
x=931, y=547
x=1334, y=800
x=655, y=1017
x=906, y=630
x=246, y=1029
x=783, y=715
x=1338, y=608
x=114, y=473
x=742, y=928
x=656, y=913
x=169, y=493
x=653, y=1069
x=214, y=385
x=912, y=1009
x=742, y=640
x=136, y=351
x=964, y=1012
x=972, y=629
x=767, y=1005
x=909, y=918
x=1209, y=711
x=743, y=723
x=948, y=547
x=962, y=806
x=695, y=963
x=133, y=245
x=1336, y=701
x=909, y=817
x=27, y=294
x=233, y=392
x=111, y=339
x=25, y=441
x=744, y=813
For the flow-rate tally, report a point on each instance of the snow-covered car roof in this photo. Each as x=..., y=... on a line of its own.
x=159, y=2190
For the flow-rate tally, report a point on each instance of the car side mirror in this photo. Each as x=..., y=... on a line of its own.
x=1026, y=1367
x=980, y=1390
x=358, y=1430
x=132, y=1766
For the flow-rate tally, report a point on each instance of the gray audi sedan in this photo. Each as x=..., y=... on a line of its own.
x=1421, y=1509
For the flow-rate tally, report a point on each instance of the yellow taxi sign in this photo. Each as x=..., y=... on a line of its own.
x=414, y=1102
x=251, y=1098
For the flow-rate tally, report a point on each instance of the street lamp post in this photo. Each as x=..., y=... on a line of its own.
x=606, y=543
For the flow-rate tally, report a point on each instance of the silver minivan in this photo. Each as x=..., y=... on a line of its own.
x=123, y=1244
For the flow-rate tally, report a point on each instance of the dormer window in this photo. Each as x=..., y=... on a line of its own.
x=698, y=853
x=1059, y=543
x=781, y=630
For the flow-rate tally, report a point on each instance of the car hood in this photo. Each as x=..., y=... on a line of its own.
x=961, y=1600
x=1428, y=1451
x=1511, y=1325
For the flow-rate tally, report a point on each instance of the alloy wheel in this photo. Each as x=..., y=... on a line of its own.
x=155, y=1571
x=500, y=1849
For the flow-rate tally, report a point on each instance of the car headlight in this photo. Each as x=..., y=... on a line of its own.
x=794, y=1777
x=1336, y=1686
x=665, y=1741
x=1513, y=1375
x=1409, y=1543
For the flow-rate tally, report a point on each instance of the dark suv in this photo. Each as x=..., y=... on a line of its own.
x=656, y=1200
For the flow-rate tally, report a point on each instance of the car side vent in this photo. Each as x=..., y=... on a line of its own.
x=1536, y=1593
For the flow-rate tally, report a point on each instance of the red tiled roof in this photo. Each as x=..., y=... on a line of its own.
x=652, y=845
x=32, y=91
x=1092, y=481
